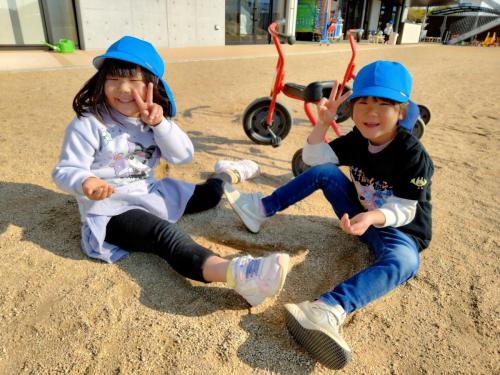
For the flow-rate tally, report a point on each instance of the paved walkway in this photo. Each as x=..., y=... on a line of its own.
x=26, y=60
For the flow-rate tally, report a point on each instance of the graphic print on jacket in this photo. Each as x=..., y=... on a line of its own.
x=122, y=160
x=372, y=193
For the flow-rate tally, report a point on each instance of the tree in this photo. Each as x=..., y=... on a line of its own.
x=416, y=14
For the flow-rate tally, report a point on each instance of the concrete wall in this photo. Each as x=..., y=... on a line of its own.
x=164, y=23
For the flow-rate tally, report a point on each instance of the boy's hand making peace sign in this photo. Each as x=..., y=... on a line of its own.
x=151, y=113
x=327, y=108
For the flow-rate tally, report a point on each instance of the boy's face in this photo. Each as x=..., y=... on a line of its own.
x=377, y=119
x=118, y=92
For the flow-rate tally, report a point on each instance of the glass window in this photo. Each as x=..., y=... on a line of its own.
x=247, y=20
x=21, y=22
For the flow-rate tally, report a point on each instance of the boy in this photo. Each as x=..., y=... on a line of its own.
x=387, y=204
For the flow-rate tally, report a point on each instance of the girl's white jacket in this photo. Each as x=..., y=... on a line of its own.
x=124, y=152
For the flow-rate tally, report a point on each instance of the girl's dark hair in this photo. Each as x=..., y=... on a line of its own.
x=91, y=96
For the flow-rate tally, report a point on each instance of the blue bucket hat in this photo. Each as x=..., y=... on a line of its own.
x=142, y=53
x=383, y=79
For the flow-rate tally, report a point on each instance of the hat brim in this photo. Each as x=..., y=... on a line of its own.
x=98, y=61
x=380, y=92
x=412, y=114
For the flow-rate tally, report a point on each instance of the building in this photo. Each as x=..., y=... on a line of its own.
x=465, y=22
x=94, y=24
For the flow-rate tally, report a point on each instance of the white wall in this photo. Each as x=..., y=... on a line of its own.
x=164, y=23
x=411, y=33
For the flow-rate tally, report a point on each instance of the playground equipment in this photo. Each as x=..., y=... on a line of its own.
x=490, y=41
x=475, y=21
x=334, y=31
x=63, y=46
x=268, y=122
x=326, y=17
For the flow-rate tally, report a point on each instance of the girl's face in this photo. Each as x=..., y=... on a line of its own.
x=377, y=119
x=118, y=92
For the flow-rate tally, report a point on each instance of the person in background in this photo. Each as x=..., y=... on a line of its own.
x=387, y=31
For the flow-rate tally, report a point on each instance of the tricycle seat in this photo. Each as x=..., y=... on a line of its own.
x=313, y=92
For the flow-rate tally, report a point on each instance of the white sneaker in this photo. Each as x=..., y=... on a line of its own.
x=255, y=279
x=247, y=206
x=244, y=169
x=315, y=325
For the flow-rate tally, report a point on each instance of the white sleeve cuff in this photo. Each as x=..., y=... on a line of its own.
x=317, y=154
x=390, y=218
x=174, y=144
x=398, y=212
x=163, y=128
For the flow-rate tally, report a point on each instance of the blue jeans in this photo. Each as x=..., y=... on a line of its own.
x=397, y=256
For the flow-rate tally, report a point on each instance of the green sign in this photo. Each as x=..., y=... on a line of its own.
x=306, y=12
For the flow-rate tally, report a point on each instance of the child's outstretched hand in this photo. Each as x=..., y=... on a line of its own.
x=327, y=108
x=151, y=113
x=360, y=223
x=96, y=189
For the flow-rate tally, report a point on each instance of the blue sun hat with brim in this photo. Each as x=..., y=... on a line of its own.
x=383, y=79
x=388, y=80
x=142, y=53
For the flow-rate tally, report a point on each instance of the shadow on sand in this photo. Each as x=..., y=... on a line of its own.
x=51, y=220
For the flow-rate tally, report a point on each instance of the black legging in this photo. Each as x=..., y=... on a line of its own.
x=138, y=230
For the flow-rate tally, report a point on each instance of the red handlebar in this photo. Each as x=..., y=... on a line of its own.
x=350, y=67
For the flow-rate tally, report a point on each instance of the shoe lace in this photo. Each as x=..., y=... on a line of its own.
x=333, y=318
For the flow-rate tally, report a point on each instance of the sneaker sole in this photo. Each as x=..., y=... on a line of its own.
x=232, y=196
x=322, y=346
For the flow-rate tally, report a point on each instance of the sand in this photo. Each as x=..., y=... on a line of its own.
x=61, y=312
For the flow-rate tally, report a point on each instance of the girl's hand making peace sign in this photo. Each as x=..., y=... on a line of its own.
x=151, y=113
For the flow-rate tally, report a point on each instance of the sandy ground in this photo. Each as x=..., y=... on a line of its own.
x=61, y=312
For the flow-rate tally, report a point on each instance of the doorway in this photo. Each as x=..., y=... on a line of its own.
x=247, y=21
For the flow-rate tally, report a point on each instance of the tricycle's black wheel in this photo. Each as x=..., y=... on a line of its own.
x=344, y=111
x=419, y=128
x=425, y=113
x=298, y=165
x=254, y=121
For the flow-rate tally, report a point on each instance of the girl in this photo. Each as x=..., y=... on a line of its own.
x=107, y=160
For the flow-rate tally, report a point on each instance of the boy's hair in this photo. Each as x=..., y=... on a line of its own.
x=402, y=106
x=91, y=97
x=393, y=102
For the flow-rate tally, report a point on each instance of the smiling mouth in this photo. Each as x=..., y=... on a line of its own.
x=124, y=101
x=371, y=124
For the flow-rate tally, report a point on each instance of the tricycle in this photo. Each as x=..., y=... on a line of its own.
x=267, y=121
